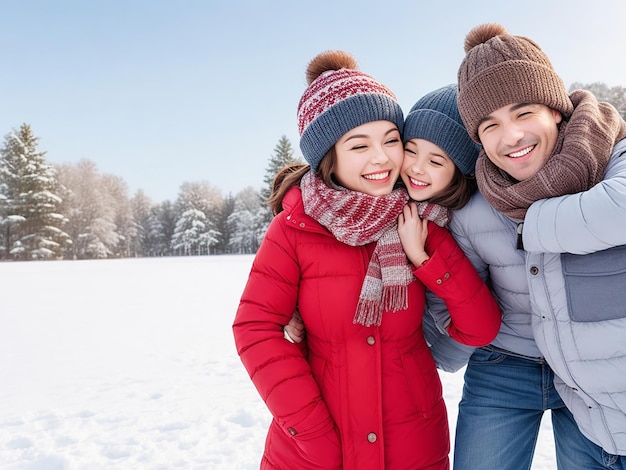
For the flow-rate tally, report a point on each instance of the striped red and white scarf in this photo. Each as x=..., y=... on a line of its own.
x=357, y=219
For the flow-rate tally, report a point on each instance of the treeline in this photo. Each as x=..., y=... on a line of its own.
x=615, y=95
x=72, y=211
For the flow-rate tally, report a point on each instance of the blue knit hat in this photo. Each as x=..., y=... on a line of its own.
x=338, y=99
x=435, y=117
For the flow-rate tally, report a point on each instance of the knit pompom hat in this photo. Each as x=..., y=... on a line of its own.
x=501, y=69
x=435, y=117
x=338, y=99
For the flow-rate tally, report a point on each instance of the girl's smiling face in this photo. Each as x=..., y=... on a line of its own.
x=427, y=170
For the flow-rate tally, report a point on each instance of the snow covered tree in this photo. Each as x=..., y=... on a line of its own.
x=615, y=95
x=191, y=235
x=225, y=226
x=202, y=197
x=91, y=207
x=244, y=240
x=162, y=227
x=29, y=204
x=142, y=221
x=283, y=155
x=247, y=220
x=116, y=194
x=199, y=195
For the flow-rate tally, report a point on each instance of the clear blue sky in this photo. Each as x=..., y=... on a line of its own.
x=161, y=92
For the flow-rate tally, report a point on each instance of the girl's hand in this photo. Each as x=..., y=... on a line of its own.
x=294, y=330
x=413, y=231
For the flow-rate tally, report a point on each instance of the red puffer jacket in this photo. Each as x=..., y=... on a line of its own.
x=363, y=397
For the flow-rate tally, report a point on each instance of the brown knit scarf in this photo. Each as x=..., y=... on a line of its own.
x=357, y=219
x=581, y=154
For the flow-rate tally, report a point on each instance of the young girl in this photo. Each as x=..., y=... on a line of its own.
x=439, y=160
x=367, y=394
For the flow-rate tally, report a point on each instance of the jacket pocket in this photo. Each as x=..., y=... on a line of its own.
x=595, y=285
x=323, y=451
x=423, y=382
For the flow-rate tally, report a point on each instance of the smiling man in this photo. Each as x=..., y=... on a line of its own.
x=552, y=174
x=519, y=138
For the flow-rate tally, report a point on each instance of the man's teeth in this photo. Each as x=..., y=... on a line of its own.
x=521, y=153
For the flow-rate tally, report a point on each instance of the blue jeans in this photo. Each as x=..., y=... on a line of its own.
x=504, y=398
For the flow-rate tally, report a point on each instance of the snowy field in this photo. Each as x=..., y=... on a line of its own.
x=131, y=364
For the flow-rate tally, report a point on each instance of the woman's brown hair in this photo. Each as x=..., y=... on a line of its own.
x=291, y=175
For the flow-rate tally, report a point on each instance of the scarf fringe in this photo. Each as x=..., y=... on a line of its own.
x=369, y=312
x=395, y=298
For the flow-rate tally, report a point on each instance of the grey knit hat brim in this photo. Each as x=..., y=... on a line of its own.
x=322, y=134
x=448, y=134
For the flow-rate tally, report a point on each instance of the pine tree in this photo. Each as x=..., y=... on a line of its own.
x=193, y=198
x=29, y=204
x=283, y=155
x=116, y=193
x=191, y=236
x=163, y=225
x=224, y=226
x=244, y=240
x=141, y=208
x=246, y=219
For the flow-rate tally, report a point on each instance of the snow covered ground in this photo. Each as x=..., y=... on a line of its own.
x=130, y=364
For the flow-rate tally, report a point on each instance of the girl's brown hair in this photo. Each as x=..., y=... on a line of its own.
x=458, y=193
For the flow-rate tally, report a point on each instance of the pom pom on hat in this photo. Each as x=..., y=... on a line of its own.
x=338, y=99
x=501, y=69
x=435, y=117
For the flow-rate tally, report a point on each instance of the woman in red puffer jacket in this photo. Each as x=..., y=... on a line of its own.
x=366, y=394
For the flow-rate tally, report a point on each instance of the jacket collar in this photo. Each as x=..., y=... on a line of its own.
x=293, y=211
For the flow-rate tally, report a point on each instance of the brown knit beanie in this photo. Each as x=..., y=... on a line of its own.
x=501, y=69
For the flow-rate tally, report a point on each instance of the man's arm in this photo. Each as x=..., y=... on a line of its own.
x=582, y=223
